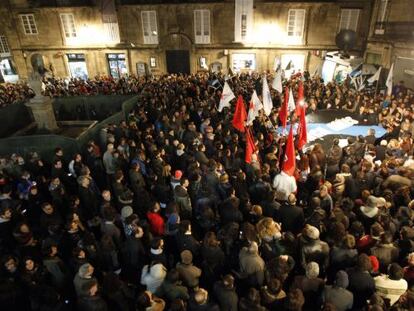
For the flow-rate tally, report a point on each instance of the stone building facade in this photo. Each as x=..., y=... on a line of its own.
x=391, y=38
x=74, y=37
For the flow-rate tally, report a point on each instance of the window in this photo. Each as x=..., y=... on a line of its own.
x=112, y=32
x=202, y=26
x=4, y=46
x=117, y=65
x=296, y=24
x=29, y=24
x=243, y=21
x=349, y=19
x=68, y=24
x=149, y=27
x=77, y=66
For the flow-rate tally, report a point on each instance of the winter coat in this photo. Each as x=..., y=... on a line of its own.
x=94, y=303
x=252, y=265
x=341, y=298
x=226, y=297
x=362, y=286
x=156, y=222
x=190, y=274
x=152, y=277
x=78, y=282
x=187, y=241
x=182, y=198
x=291, y=217
x=172, y=291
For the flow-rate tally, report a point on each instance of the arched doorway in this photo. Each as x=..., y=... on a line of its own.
x=177, y=51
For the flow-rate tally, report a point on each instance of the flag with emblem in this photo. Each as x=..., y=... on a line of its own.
x=254, y=107
x=226, y=96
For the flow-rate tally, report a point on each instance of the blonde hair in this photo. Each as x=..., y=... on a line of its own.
x=267, y=227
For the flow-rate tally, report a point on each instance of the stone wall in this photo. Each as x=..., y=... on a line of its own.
x=176, y=31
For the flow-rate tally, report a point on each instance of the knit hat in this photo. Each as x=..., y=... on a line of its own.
x=312, y=270
x=126, y=211
x=374, y=263
x=186, y=257
x=342, y=279
x=178, y=174
x=311, y=232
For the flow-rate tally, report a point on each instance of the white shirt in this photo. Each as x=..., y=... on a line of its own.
x=284, y=183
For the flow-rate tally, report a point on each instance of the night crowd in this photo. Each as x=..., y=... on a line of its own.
x=162, y=212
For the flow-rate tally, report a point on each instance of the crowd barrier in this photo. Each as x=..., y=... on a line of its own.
x=44, y=145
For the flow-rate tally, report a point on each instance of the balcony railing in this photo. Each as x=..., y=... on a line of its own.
x=394, y=30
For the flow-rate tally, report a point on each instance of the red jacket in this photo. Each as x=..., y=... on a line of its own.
x=156, y=223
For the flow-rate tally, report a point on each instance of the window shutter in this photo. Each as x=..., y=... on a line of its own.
x=202, y=26
x=4, y=46
x=206, y=26
x=149, y=27
x=296, y=23
x=68, y=24
x=243, y=21
x=349, y=19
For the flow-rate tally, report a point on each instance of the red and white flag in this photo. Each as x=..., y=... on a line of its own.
x=254, y=107
x=226, y=96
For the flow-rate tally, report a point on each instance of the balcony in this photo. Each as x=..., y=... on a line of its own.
x=395, y=31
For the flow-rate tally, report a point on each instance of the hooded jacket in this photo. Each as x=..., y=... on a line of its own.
x=152, y=277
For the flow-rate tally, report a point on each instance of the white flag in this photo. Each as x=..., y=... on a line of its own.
x=277, y=82
x=389, y=80
x=267, y=99
x=255, y=106
x=226, y=97
x=375, y=77
x=291, y=102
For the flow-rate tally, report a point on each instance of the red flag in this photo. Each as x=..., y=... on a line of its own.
x=301, y=99
x=250, y=146
x=302, y=131
x=240, y=115
x=283, y=113
x=289, y=162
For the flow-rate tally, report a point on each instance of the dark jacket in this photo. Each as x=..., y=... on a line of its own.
x=94, y=303
x=291, y=217
x=172, y=291
x=187, y=241
x=226, y=297
x=362, y=286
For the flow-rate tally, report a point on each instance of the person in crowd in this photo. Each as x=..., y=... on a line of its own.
x=171, y=216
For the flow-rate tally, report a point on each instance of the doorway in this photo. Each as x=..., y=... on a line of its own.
x=178, y=61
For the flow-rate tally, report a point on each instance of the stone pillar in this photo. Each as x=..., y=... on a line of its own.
x=43, y=113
